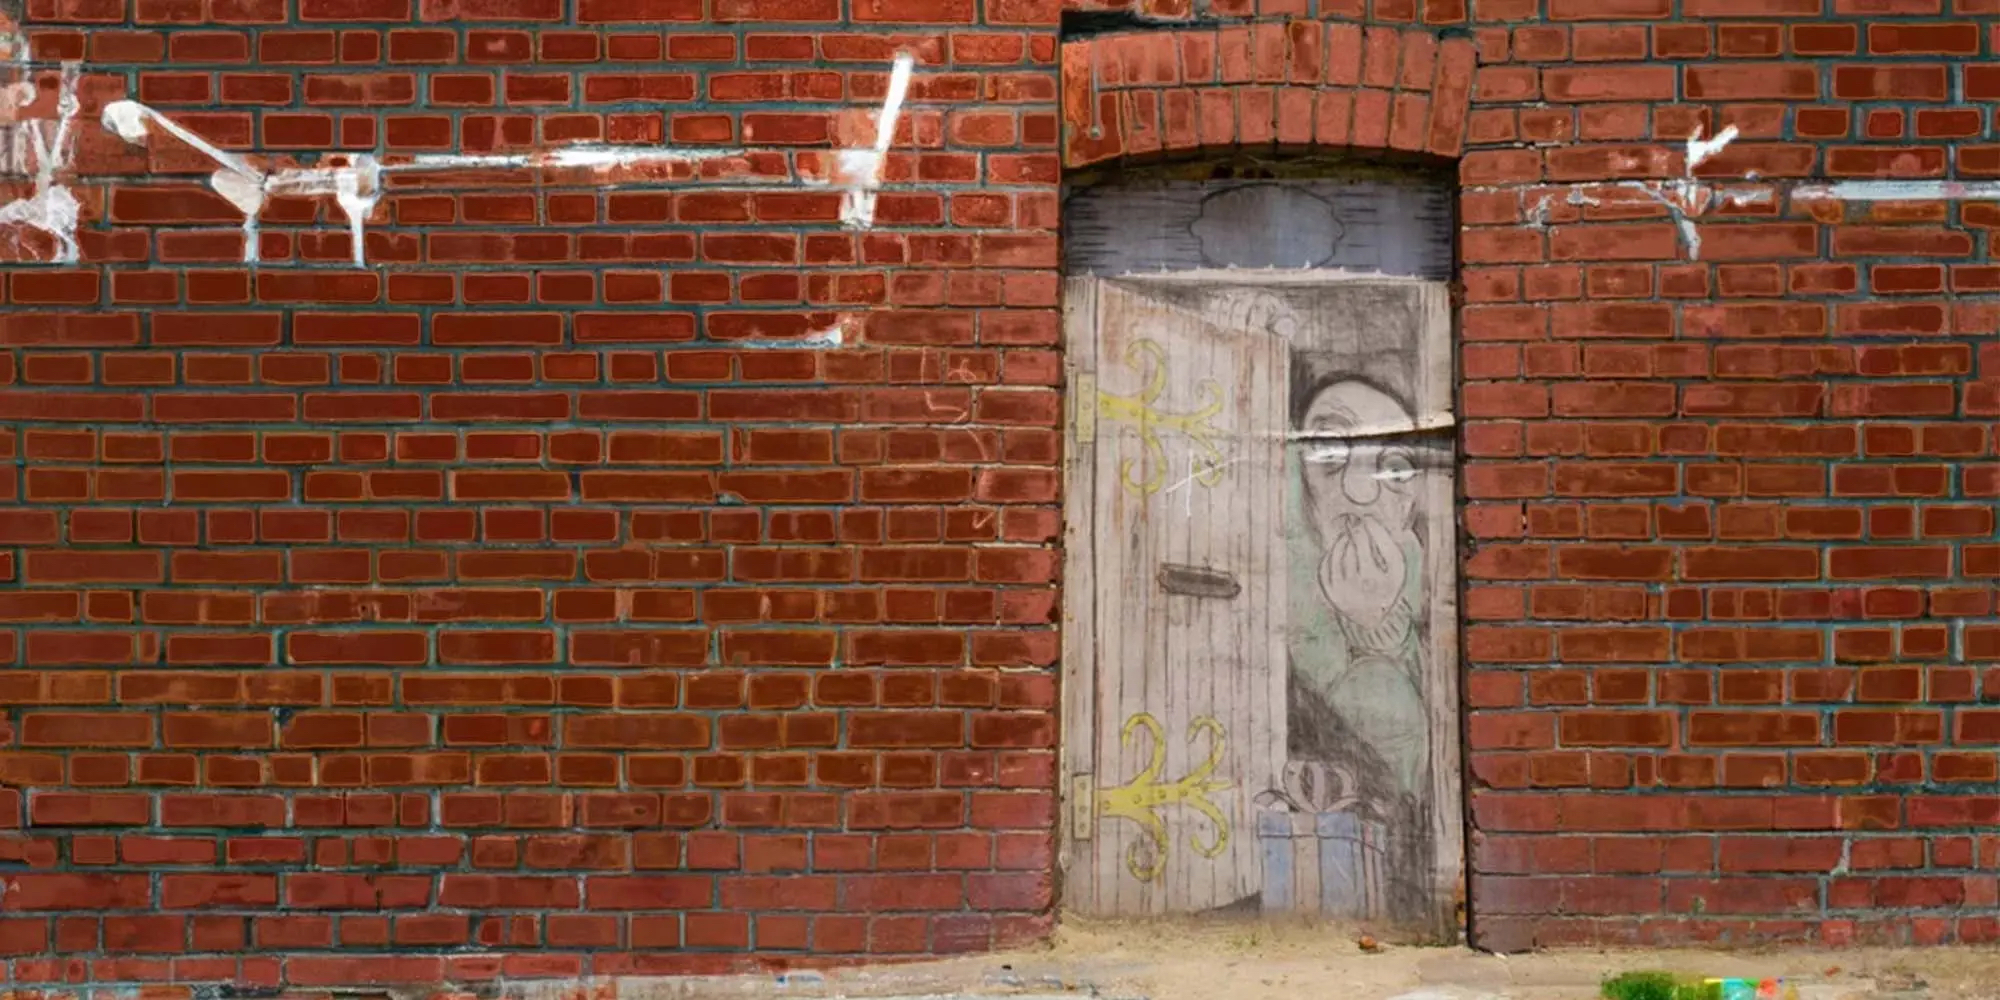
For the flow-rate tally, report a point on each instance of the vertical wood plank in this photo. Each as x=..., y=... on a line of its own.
x=1078, y=693
x=1124, y=543
x=1441, y=690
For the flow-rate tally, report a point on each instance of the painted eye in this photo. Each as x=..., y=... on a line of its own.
x=1327, y=453
x=1396, y=467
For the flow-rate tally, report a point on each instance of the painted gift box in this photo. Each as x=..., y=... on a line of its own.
x=1328, y=863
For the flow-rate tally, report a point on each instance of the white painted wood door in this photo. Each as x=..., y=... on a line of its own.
x=1183, y=420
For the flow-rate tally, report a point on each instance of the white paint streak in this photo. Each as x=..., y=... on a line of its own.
x=16, y=95
x=239, y=183
x=1900, y=191
x=54, y=211
x=463, y=161
x=628, y=156
x=357, y=186
x=1683, y=213
x=1685, y=202
x=129, y=118
x=20, y=93
x=52, y=208
x=1685, y=198
x=861, y=169
x=817, y=340
x=1537, y=215
x=1187, y=482
x=357, y=190
x=245, y=191
x=247, y=194
x=592, y=156
x=1698, y=150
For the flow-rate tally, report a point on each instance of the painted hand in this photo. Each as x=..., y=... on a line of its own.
x=1363, y=571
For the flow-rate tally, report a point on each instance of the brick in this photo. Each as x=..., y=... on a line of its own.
x=1609, y=83
x=1752, y=82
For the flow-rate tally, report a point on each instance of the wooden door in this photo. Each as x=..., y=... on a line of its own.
x=1260, y=661
x=1180, y=437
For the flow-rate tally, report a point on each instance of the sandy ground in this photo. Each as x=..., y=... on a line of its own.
x=1245, y=961
x=1182, y=960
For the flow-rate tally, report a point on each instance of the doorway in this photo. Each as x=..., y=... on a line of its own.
x=1261, y=707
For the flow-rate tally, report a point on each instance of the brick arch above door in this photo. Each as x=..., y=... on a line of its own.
x=1432, y=12
x=1297, y=84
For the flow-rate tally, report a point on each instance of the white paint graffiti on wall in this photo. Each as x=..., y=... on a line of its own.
x=357, y=182
x=17, y=93
x=356, y=187
x=1900, y=191
x=1686, y=198
x=42, y=150
x=43, y=147
x=861, y=169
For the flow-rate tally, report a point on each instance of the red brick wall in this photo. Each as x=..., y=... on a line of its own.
x=487, y=612
x=1729, y=516
x=492, y=610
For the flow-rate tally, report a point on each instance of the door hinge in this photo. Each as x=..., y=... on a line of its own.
x=1083, y=407
x=1082, y=807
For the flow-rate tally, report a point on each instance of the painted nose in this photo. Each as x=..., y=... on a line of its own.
x=1357, y=480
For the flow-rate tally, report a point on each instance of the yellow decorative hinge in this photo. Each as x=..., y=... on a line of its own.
x=1082, y=807
x=1147, y=797
x=1141, y=413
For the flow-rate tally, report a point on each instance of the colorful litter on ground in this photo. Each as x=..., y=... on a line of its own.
x=1667, y=986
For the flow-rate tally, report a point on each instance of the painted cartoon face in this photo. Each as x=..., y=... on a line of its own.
x=1361, y=496
x=1360, y=479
